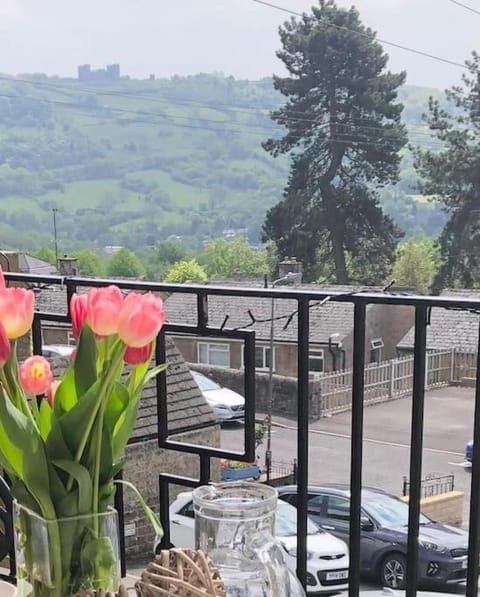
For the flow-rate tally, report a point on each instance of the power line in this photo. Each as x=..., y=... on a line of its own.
x=465, y=6
x=370, y=37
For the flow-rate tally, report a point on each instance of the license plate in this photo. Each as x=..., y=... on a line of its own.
x=338, y=575
x=464, y=563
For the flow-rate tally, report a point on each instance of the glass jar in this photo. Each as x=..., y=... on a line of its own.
x=234, y=525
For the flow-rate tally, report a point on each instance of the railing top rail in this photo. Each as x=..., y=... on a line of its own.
x=290, y=293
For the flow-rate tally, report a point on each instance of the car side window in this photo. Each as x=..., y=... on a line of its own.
x=188, y=510
x=291, y=498
x=315, y=505
x=338, y=508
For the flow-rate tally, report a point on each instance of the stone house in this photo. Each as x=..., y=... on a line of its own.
x=331, y=330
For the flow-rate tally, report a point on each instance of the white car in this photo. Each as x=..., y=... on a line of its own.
x=57, y=350
x=327, y=564
x=227, y=405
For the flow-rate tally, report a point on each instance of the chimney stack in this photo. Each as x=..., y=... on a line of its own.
x=68, y=266
x=289, y=265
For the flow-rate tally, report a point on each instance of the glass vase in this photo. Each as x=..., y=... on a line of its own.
x=234, y=525
x=57, y=558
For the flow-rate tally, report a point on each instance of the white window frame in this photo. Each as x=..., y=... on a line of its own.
x=317, y=354
x=264, y=348
x=219, y=347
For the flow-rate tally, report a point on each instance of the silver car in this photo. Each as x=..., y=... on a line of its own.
x=227, y=405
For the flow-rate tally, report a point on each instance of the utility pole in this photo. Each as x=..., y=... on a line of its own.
x=55, y=239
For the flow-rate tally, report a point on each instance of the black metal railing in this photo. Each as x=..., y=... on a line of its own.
x=305, y=301
x=433, y=484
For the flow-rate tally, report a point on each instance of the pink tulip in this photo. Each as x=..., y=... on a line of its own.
x=103, y=309
x=2, y=280
x=141, y=319
x=4, y=346
x=137, y=356
x=52, y=390
x=35, y=375
x=16, y=311
x=78, y=313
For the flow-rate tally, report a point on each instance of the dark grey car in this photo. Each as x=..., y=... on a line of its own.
x=442, y=549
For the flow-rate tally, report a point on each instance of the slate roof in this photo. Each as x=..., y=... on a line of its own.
x=32, y=265
x=449, y=329
x=325, y=320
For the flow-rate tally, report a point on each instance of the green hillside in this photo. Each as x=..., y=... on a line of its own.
x=138, y=161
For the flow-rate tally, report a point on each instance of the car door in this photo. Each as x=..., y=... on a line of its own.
x=182, y=526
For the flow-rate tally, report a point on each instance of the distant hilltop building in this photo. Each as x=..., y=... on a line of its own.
x=111, y=73
x=233, y=233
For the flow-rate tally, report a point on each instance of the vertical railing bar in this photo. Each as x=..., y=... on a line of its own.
x=474, y=522
x=249, y=392
x=205, y=473
x=37, y=336
x=302, y=438
x=161, y=389
x=202, y=310
x=119, y=507
x=164, y=512
x=416, y=442
x=71, y=289
x=356, y=445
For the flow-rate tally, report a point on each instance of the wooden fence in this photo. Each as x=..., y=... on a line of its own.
x=332, y=392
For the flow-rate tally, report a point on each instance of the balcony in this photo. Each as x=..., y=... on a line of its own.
x=304, y=303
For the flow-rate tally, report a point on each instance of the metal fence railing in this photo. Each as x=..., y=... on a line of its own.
x=361, y=391
x=433, y=484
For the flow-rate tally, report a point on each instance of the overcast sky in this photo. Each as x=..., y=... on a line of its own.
x=237, y=37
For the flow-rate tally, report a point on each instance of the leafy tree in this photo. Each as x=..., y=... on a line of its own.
x=125, y=264
x=89, y=263
x=224, y=259
x=170, y=251
x=344, y=135
x=453, y=177
x=186, y=271
x=46, y=254
x=416, y=265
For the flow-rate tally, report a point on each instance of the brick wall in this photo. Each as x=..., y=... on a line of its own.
x=143, y=463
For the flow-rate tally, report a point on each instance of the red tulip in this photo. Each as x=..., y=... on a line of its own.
x=137, y=356
x=103, y=309
x=2, y=280
x=35, y=375
x=52, y=390
x=78, y=313
x=16, y=311
x=141, y=318
x=4, y=346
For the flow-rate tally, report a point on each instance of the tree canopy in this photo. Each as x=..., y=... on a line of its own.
x=453, y=177
x=125, y=264
x=186, y=271
x=416, y=265
x=224, y=259
x=89, y=263
x=344, y=134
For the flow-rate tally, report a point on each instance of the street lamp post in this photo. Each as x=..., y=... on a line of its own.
x=290, y=278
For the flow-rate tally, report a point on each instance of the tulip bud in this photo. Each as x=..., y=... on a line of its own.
x=103, y=309
x=78, y=313
x=137, y=356
x=16, y=311
x=52, y=390
x=4, y=346
x=35, y=375
x=141, y=318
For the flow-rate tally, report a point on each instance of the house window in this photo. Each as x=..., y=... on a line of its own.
x=316, y=361
x=214, y=354
x=262, y=357
x=376, y=350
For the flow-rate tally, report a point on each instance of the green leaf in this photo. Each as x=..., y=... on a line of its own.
x=106, y=456
x=85, y=363
x=44, y=420
x=66, y=394
x=149, y=513
x=153, y=372
x=117, y=403
x=84, y=482
x=98, y=561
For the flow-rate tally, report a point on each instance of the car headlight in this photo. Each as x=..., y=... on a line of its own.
x=292, y=551
x=429, y=546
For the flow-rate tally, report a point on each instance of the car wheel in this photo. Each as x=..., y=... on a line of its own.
x=393, y=571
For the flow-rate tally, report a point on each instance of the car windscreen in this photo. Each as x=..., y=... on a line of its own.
x=204, y=383
x=286, y=521
x=388, y=511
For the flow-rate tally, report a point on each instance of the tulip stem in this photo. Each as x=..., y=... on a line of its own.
x=106, y=382
x=96, y=469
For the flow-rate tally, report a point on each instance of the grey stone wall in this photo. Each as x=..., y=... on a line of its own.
x=144, y=462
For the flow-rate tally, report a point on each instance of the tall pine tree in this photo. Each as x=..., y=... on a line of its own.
x=344, y=135
x=453, y=176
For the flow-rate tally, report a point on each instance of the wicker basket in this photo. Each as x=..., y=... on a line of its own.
x=180, y=573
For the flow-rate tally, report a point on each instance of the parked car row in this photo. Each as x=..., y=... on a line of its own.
x=384, y=530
